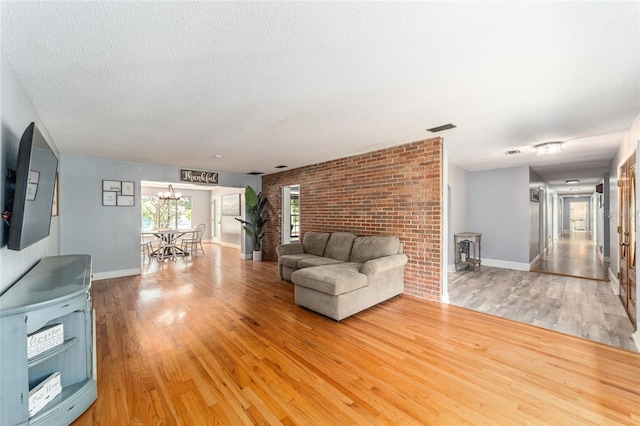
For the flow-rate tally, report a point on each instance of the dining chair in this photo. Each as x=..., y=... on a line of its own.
x=193, y=243
x=146, y=248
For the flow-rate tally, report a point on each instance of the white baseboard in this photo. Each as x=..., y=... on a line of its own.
x=615, y=284
x=223, y=244
x=116, y=274
x=506, y=264
x=533, y=262
x=636, y=339
x=499, y=264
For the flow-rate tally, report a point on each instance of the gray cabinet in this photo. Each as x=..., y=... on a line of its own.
x=56, y=291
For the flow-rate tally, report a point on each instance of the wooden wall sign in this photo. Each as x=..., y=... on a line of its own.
x=198, y=176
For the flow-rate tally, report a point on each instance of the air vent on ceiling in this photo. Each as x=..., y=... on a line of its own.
x=514, y=152
x=281, y=166
x=255, y=173
x=441, y=128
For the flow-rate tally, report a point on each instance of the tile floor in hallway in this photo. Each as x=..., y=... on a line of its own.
x=581, y=307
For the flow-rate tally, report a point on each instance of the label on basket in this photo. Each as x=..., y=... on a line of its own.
x=42, y=394
x=44, y=339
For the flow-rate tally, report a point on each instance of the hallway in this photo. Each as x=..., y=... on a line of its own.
x=574, y=254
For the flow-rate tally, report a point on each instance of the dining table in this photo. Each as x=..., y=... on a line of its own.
x=169, y=238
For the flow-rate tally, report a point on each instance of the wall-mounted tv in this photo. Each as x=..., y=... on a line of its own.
x=35, y=183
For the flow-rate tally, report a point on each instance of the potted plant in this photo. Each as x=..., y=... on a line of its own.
x=256, y=203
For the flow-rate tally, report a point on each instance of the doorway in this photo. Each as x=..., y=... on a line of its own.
x=226, y=207
x=574, y=250
x=291, y=214
x=578, y=216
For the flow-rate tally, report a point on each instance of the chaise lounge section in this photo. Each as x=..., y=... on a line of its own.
x=338, y=274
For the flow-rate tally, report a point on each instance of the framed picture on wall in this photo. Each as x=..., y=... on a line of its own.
x=125, y=200
x=112, y=185
x=231, y=205
x=109, y=198
x=128, y=188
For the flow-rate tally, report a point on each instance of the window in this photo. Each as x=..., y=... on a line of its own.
x=295, y=216
x=163, y=214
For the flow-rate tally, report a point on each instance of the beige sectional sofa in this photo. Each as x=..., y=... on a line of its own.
x=338, y=274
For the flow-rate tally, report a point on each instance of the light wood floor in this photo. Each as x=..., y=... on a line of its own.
x=574, y=254
x=219, y=340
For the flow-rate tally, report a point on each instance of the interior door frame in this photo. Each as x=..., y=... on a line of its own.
x=627, y=235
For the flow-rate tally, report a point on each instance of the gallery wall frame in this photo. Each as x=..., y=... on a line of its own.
x=119, y=193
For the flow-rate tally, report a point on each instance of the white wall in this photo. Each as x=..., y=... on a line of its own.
x=499, y=209
x=17, y=112
x=460, y=209
x=111, y=234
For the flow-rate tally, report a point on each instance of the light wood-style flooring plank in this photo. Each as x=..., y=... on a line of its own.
x=581, y=307
x=219, y=340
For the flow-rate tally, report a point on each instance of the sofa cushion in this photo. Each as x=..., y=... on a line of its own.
x=339, y=246
x=315, y=242
x=309, y=262
x=373, y=247
x=331, y=279
x=291, y=260
x=291, y=248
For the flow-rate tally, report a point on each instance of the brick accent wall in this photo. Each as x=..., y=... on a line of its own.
x=395, y=191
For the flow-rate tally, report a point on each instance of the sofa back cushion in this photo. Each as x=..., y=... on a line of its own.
x=373, y=247
x=315, y=242
x=339, y=246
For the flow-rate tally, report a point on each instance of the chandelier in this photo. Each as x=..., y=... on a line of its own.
x=169, y=195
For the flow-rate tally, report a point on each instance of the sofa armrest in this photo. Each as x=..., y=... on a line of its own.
x=291, y=248
x=385, y=263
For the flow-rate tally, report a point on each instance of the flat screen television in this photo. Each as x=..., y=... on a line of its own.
x=35, y=184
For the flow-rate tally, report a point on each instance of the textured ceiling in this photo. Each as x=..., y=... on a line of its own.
x=296, y=83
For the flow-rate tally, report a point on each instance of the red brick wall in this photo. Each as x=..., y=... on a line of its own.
x=395, y=191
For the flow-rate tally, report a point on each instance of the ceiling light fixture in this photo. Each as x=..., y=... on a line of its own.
x=574, y=189
x=549, y=148
x=216, y=156
x=169, y=195
x=572, y=181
